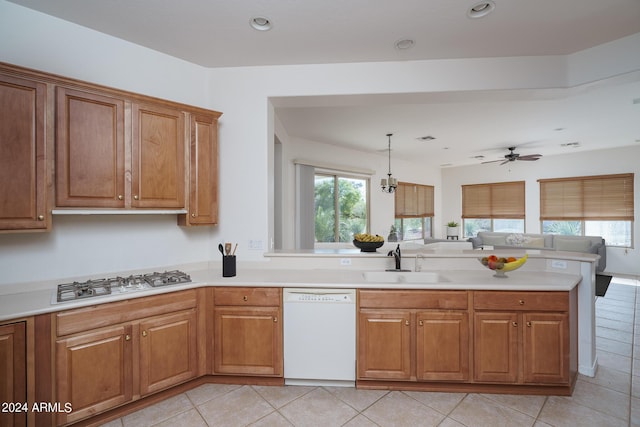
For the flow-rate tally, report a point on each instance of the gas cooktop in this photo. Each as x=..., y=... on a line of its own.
x=118, y=285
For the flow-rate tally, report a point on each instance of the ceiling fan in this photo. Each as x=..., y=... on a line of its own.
x=512, y=157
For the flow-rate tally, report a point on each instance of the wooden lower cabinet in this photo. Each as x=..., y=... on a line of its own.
x=100, y=368
x=94, y=371
x=428, y=340
x=248, y=332
x=498, y=341
x=442, y=346
x=384, y=344
x=13, y=373
x=168, y=351
x=528, y=344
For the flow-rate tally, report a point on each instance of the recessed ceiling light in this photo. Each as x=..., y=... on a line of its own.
x=570, y=144
x=479, y=157
x=481, y=9
x=404, y=44
x=260, y=23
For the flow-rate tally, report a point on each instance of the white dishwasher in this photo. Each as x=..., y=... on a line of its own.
x=319, y=336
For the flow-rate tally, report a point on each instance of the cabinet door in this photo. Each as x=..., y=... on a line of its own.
x=168, y=351
x=94, y=371
x=22, y=155
x=442, y=346
x=203, y=182
x=384, y=344
x=13, y=372
x=248, y=341
x=546, y=348
x=157, y=157
x=496, y=347
x=89, y=150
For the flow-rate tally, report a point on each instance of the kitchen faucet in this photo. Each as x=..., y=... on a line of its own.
x=398, y=256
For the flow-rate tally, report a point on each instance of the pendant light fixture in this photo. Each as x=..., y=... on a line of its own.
x=389, y=185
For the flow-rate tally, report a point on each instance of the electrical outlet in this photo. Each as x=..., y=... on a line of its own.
x=556, y=263
x=345, y=261
x=255, y=245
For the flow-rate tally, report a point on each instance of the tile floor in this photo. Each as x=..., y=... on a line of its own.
x=610, y=399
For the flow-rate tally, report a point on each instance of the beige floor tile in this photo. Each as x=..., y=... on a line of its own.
x=191, y=418
x=318, y=408
x=274, y=419
x=530, y=405
x=206, y=392
x=279, y=396
x=610, y=378
x=477, y=410
x=614, y=361
x=159, y=412
x=561, y=412
x=601, y=399
x=357, y=399
x=113, y=423
x=361, y=421
x=239, y=407
x=448, y=422
x=398, y=409
x=441, y=402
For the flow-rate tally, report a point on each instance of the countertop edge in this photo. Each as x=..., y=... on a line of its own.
x=21, y=305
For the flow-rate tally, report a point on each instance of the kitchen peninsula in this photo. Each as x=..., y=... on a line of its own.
x=535, y=311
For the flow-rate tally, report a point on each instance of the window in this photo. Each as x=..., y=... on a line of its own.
x=413, y=211
x=341, y=207
x=493, y=207
x=589, y=206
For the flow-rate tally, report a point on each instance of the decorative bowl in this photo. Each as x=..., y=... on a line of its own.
x=367, y=246
x=502, y=264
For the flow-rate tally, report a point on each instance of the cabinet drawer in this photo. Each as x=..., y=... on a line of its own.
x=248, y=296
x=505, y=300
x=452, y=300
x=98, y=316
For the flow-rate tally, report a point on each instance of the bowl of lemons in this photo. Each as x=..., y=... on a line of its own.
x=367, y=242
x=502, y=264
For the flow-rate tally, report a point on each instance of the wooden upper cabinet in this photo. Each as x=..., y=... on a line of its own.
x=23, y=193
x=203, y=179
x=157, y=157
x=90, y=150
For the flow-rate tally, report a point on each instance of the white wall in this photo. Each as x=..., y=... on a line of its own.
x=247, y=127
x=600, y=162
x=381, y=204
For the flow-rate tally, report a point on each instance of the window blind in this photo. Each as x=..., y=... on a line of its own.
x=413, y=200
x=494, y=200
x=602, y=197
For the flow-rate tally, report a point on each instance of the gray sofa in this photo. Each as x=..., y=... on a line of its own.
x=552, y=242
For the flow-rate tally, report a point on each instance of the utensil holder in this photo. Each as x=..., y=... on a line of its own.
x=228, y=266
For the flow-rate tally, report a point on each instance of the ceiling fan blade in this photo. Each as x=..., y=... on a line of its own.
x=491, y=161
x=530, y=157
x=505, y=162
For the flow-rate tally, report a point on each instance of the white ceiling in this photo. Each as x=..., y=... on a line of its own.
x=216, y=33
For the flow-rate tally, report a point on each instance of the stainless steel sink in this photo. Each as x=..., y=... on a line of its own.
x=404, y=277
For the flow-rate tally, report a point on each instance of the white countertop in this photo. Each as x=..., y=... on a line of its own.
x=38, y=301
